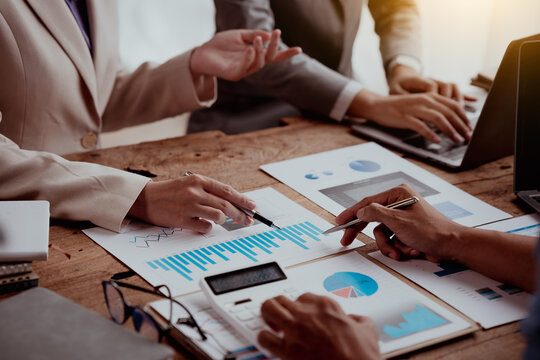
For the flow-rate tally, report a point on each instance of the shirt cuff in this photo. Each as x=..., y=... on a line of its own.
x=205, y=89
x=344, y=100
x=406, y=60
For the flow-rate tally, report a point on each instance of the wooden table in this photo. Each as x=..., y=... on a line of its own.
x=235, y=159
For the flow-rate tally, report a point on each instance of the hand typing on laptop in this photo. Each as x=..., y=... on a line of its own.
x=416, y=102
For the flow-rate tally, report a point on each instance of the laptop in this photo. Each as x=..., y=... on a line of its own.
x=527, y=153
x=493, y=120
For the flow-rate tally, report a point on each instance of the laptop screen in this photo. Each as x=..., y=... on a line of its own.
x=527, y=156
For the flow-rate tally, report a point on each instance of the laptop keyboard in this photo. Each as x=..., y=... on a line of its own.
x=446, y=147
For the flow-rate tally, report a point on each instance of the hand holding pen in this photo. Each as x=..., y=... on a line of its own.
x=250, y=212
x=418, y=230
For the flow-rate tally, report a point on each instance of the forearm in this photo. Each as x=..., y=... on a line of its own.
x=153, y=92
x=76, y=190
x=508, y=258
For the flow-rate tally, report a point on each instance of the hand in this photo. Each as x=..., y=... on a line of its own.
x=234, y=54
x=405, y=80
x=187, y=201
x=414, y=111
x=419, y=229
x=315, y=327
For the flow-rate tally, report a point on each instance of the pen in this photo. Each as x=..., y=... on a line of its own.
x=397, y=205
x=249, y=213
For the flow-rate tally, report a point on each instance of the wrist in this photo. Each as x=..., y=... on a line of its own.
x=457, y=243
x=400, y=71
x=364, y=104
x=138, y=209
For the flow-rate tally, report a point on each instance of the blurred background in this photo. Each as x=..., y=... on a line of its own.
x=460, y=38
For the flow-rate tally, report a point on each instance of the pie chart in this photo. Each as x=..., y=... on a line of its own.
x=364, y=166
x=350, y=285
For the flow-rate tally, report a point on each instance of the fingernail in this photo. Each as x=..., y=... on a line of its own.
x=436, y=139
x=249, y=221
x=394, y=256
x=414, y=252
x=360, y=213
x=252, y=205
x=457, y=138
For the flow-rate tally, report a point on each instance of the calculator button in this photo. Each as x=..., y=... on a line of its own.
x=244, y=316
x=252, y=306
x=236, y=309
x=290, y=290
x=256, y=324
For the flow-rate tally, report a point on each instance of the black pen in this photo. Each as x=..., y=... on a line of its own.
x=249, y=213
x=258, y=216
x=397, y=205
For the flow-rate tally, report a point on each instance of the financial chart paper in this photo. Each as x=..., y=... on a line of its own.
x=179, y=258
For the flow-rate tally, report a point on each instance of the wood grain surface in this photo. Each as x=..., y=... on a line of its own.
x=235, y=159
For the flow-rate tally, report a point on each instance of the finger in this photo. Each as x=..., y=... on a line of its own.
x=287, y=54
x=308, y=298
x=260, y=52
x=456, y=122
x=444, y=89
x=227, y=208
x=404, y=249
x=350, y=234
x=228, y=193
x=397, y=89
x=457, y=95
x=272, y=342
x=249, y=36
x=436, y=118
x=420, y=84
x=277, y=316
x=420, y=127
x=454, y=106
x=384, y=243
x=272, y=48
x=209, y=213
x=397, y=193
x=198, y=225
x=359, y=318
x=378, y=213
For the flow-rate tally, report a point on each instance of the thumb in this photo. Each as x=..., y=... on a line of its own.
x=375, y=212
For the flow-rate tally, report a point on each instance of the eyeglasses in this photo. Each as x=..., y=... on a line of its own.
x=121, y=310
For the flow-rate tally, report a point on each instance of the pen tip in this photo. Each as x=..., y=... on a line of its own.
x=276, y=227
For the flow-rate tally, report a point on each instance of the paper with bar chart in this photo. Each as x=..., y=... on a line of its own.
x=528, y=225
x=403, y=316
x=179, y=258
x=338, y=179
x=486, y=301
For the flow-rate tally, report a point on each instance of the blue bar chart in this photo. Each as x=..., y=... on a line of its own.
x=250, y=248
x=179, y=258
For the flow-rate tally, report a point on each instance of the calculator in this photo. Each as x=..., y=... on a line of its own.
x=237, y=296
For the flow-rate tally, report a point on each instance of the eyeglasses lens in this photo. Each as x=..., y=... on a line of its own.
x=145, y=325
x=115, y=304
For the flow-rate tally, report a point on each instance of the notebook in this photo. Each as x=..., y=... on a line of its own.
x=24, y=230
x=40, y=324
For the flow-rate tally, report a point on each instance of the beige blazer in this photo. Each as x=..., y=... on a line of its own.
x=56, y=98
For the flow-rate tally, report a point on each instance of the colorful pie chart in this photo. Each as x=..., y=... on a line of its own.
x=350, y=285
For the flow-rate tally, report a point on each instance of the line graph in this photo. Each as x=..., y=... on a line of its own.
x=144, y=240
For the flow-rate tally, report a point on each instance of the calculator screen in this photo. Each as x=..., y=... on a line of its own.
x=245, y=278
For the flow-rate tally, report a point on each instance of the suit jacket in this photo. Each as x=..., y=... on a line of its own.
x=56, y=98
x=312, y=81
